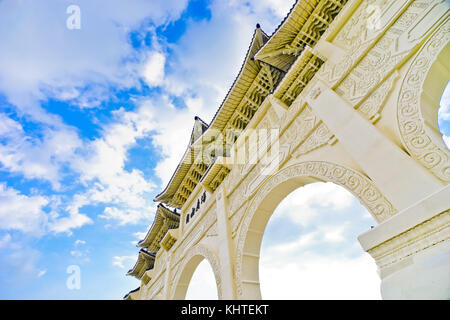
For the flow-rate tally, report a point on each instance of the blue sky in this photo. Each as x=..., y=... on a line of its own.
x=94, y=120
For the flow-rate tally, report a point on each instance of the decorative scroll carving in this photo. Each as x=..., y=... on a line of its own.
x=410, y=121
x=372, y=106
x=319, y=137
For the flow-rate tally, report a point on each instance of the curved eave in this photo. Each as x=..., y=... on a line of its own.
x=183, y=167
x=304, y=24
x=140, y=266
x=283, y=35
x=130, y=295
x=248, y=72
x=161, y=213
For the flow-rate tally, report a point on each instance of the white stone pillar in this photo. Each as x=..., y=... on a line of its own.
x=225, y=246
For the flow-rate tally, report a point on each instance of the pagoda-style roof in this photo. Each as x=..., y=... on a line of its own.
x=188, y=172
x=146, y=260
x=252, y=85
x=248, y=73
x=165, y=219
x=303, y=26
x=199, y=128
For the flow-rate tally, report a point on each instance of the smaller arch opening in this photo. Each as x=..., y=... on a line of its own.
x=435, y=99
x=444, y=115
x=202, y=285
x=196, y=278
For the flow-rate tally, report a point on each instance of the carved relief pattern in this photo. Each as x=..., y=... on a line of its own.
x=209, y=255
x=296, y=133
x=372, y=106
x=356, y=183
x=386, y=55
x=199, y=231
x=236, y=220
x=410, y=120
x=354, y=38
x=416, y=239
x=320, y=137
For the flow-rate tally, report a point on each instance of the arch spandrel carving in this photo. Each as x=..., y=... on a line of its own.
x=411, y=123
x=191, y=260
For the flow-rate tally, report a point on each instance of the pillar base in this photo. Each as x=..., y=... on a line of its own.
x=412, y=250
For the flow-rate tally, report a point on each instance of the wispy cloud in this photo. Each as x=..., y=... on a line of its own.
x=119, y=261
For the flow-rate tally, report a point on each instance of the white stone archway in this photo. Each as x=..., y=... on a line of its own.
x=340, y=97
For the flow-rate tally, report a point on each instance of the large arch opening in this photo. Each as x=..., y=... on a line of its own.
x=310, y=250
x=277, y=188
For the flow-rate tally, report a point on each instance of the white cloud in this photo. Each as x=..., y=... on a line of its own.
x=280, y=8
x=444, y=109
x=34, y=157
x=78, y=66
x=154, y=69
x=127, y=216
x=103, y=170
x=80, y=252
x=17, y=260
x=21, y=212
x=446, y=140
x=324, y=260
x=333, y=234
x=139, y=236
x=79, y=242
x=314, y=276
x=5, y=241
x=305, y=206
x=41, y=273
x=73, y=221
x=119, y=261
x=293, y=246
x=40, y=57
x=76, y=253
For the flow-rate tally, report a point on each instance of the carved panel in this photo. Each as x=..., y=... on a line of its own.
x=371, y=107
x=410, y=121
x=390, y=51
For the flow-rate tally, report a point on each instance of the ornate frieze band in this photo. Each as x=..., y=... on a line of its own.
x=422, y=236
